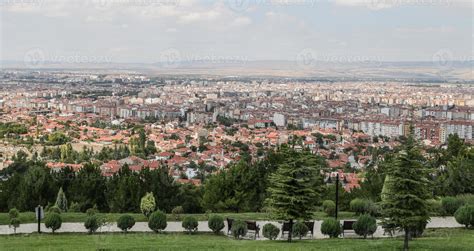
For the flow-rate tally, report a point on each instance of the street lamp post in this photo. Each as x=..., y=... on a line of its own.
x=337, y=194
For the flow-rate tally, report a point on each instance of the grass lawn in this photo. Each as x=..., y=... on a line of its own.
x=29, y=217
x=439, y=239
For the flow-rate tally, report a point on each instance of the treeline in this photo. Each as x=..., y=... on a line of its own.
x=29, y=183
x=242, y=187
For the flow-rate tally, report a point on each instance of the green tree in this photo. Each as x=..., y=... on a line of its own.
x=294, y=187
x=406, y=208
x=61, y=201
x=147, y=204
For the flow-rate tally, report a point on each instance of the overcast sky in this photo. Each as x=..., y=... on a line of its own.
x=152, y=30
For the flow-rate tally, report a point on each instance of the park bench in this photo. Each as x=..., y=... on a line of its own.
x=229, y=225
x=347, y=225
x=252, y=226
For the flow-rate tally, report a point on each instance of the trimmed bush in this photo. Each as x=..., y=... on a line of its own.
x=451, y=204
x=358, y=206
x=54, y=209
x=329, y=207
x=13, y=213
x=15, y=223
x=190, y=224
x=239, y=229
x=300, y=229
x=331, y=227
x=465, y=215
x=92, y=211
x=177, y=211
x=270, y=231
x=365, y=225
x=157, y=221
x=53, y=221
x=92, y=224
x=125, y=222
x=216, y=223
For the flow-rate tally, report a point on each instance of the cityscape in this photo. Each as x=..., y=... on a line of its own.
x=219, y=143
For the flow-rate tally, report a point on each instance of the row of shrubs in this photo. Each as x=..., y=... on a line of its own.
x=358, y=206
x=364, y=226
x=446, y=206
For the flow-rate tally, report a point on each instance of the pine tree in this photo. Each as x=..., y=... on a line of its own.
x=294, y=187
x=404, y=201
x=61, y=201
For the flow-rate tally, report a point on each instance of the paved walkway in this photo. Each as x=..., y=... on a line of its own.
x=436, y=222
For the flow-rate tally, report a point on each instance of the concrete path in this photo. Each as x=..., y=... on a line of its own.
x=436, y=222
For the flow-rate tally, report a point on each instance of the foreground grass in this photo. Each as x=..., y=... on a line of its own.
x=439, y=239
x=29, y=217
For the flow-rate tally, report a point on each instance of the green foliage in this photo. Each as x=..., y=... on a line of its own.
x=331, y=227
x=177, y=211
x=11, y=128
x=435, y=207
x=451, y=204
x=125, y=222
x=465, y=215
x=329, y=207
x=61, y=201
x=147, y=204
x=295, y=186
x=240, y=188
x=92, y=211
x=92, y=223
x=406, y=207
x=15, y=223
x=467, y=199
x=300, y=229
x=53, y=221
x=270, y=231
x=216, y=223
x=365, y=225
x=57, y=138
x=54, y=209
x=75, y=207
x=157, y=221
x=190, y=224
x=239, y=229
x=359, y=206
x=13, y=213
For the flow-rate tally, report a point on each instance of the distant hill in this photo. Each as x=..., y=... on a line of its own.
x=449, y=71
